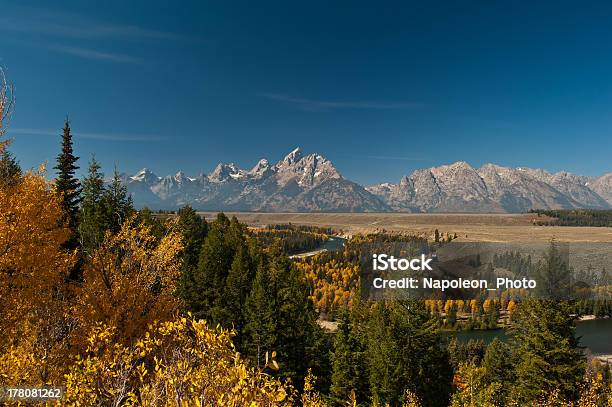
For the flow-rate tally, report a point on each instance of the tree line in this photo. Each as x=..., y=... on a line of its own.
x=575, y=217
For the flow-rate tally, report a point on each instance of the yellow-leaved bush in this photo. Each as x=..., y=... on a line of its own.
x=31, y=259
x=129, y=281
x=33, y=269
x=180, y=362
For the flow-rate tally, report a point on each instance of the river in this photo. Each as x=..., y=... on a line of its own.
x=332, y=244
x=595, y=334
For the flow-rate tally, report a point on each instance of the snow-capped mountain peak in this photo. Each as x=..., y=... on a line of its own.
x=311, y=183
x=296, y=183
x=294, y=156
x=145, y=175
x=224, y=172
x=260, y=169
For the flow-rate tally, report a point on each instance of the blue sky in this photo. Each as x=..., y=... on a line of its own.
x=380, y=88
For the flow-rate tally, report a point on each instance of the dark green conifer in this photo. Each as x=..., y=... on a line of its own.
x=498, y=367
x=349, y=368
x=405, y=352
x=238, y=287
x=260, y=320
x=203, y=290
x=10, y=171
x=548, y=354
x=67, y=184
x=91, y=224
x=193, y=228
x=117, y=204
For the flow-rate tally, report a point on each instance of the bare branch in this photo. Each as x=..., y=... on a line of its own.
x=7, y=100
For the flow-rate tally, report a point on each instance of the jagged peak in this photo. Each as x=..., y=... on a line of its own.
x=145, y=175
x=294, y=156
x=224, y=171
x=459, y=164
x=261, y=165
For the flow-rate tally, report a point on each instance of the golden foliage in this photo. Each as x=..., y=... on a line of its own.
x=32, y=263
x=472, y=390
x=333, y=283
x=411, y=400
x=33, y=269
x=182, y=362
x=310, y=397
x=129, y=281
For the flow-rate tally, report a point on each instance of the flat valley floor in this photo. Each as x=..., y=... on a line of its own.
x=515, y=228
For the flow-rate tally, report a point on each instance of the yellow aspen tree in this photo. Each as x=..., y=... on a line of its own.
x=33, y=270
x=129, y=281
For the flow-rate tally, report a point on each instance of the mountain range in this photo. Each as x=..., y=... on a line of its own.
x=311, y=183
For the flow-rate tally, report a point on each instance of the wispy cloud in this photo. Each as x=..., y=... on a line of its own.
x=85, y=135
x=62, y=24
x=94, y=54
x=51, y=30
x=326, y=105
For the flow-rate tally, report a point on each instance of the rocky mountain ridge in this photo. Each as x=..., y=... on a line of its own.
x=311, y=183
x=459, y=187
x=297, y=183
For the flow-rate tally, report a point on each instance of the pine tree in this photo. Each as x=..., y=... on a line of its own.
x=547, y=350
x=117, y=204
x=553, y=275
x=194, y=228
x=349, y=370
x=238, y=287
x=91, y=225
x=203, y=289
x=67, y=184
x=10, y=171
x=404, y=352
x=299, y=336
x=260, y=319
x=498, y=369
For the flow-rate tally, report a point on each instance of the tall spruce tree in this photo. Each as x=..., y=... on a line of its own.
x=203, y=289
x=498, y=366
x=116, y=204
x=545, y=345
x=553, y=275
x=67, y=184
x=349, y=367
x=405, y=352
x=280, y=317
x=260, y=332
x=238, y=286
x=225, y=309
x=10, y=171
x=548, y=354
x=91, y=223
x=193, y=228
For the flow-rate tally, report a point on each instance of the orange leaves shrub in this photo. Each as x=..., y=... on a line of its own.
x=178, y=362
x=129, y=281
x=32, y=263
x=33, y=269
